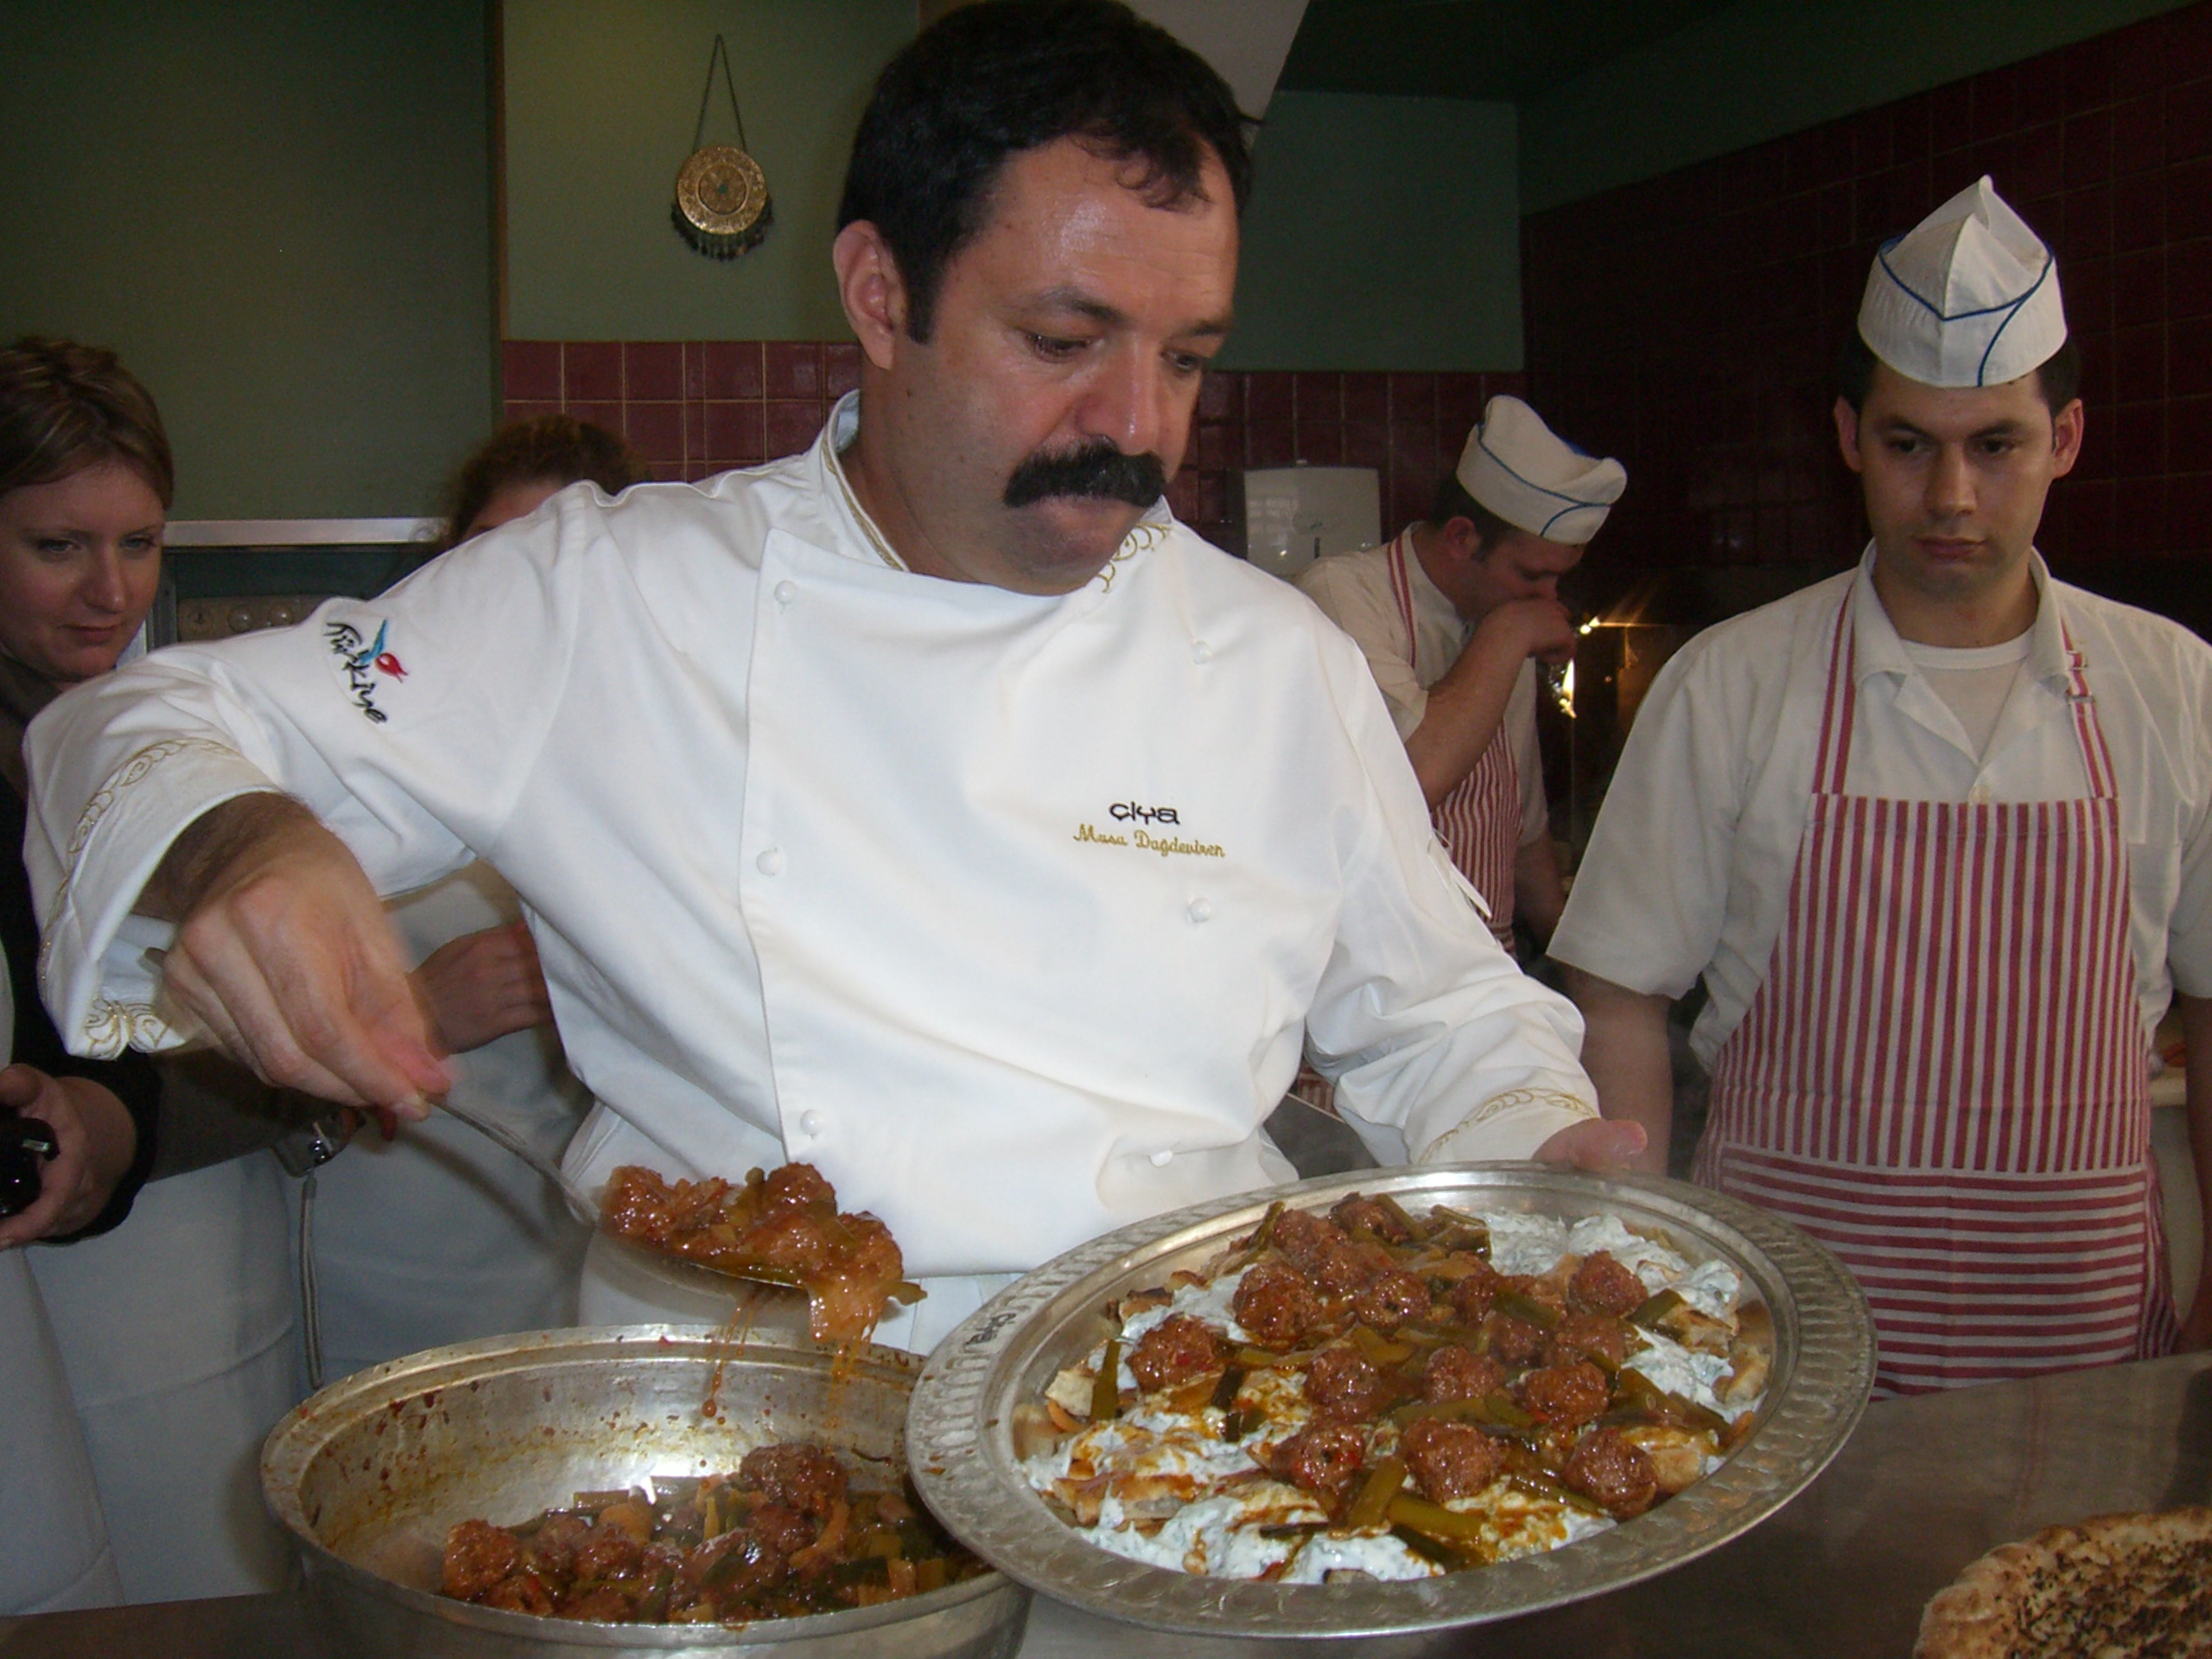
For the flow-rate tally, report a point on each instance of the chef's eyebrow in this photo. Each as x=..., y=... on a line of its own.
x=1894, y=425
x=1094, y=310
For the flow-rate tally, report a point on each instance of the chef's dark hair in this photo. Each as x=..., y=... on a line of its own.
x=1453, y=501
x=546, y=449
x=2059, y=376
x=65, y=407
x=991, y=80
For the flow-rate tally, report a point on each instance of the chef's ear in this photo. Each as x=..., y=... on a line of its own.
x=868, y=286
x=1846, y=434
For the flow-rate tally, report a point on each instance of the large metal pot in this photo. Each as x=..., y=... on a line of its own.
x=368, y=1475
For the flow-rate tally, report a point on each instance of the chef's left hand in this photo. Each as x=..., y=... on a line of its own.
x=1601, y=1145
x=483, y=986
x=97, y=1139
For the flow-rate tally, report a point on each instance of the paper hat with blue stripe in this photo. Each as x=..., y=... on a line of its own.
x=1533, y=479
x=1968, y=297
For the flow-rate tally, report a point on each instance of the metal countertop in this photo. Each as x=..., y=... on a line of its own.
x=1924, y=1486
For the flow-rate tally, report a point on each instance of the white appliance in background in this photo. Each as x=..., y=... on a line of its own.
x=1294, y=515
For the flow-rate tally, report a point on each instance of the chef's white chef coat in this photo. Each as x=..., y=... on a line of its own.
x=438, y=1235
x=53, y=1547
x=1689, y=869
x=1006, y=911
x=1354, y=590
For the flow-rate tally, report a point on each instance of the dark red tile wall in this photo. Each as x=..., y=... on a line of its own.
x=1687, y=323
x=694, y=408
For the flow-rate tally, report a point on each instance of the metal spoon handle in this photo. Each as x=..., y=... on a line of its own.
x=493, y=1130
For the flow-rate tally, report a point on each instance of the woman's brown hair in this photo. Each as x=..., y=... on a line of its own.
x=556, y=447
x=65, y=407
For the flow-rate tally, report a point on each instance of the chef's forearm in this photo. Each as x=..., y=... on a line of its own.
x=1625, y=1051
x=1462, y=713
x=214, y=842
x=1539, y=892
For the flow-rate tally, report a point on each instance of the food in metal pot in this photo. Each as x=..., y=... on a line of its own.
x=782, y=1227
x=784, y=1536
x=1372, y=1393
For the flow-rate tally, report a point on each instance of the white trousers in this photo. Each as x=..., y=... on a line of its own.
x=53, y=1547
x=178, y=1334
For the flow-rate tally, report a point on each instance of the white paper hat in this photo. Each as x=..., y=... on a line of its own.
x=1968, y=297
x=1533, y=479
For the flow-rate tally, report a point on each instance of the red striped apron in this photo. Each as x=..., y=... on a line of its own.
x=1944, y=1076
x=1479, y=821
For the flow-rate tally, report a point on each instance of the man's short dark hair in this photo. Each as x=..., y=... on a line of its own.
x=988, y=82
x=1453, y=501
x=2059, y=375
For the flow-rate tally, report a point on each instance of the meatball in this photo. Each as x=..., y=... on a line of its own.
x=1389, y=1301
x=551, y=1551
x=1474, y=1290
x=1177, y=1350
x=607, y=1603
x=1617, y=1474
x=780, y=1528
x=1356, y=1213
x=1517, y=1342
x=609, y=1552
x=1275, y=1303
x=1303, y=1238
x=731, y=1566
x=1342, y=1269
x=1342, y=1385
x=1456, y=1373
x=1322, y=1459
x=524, y=1592
x=1542, y=1289
x=1568, y=1395
x=1596, y=1337
x=802, y=1477
x=1449, y=1461
x=478, y=1556
x=1601, y=1285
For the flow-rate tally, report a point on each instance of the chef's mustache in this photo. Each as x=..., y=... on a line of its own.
x=1097, y=471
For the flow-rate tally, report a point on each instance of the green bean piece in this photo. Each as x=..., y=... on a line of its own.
x=1106, y=1390
x=1238, y=1424
x=1461, y=1532
x=1655, y=1308
x=1224, y=1392
x=1372, y=1503
x=1536, y=1485
x=1415, y=1231
x=1378, y=1348
x=1265, y=1234
x=1525, y=1307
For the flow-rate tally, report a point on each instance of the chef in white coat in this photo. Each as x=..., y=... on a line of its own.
x=1937, y=836
x=930, y=806
x=1453, y=616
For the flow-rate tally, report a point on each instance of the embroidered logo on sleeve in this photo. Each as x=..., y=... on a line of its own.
x=361, y=665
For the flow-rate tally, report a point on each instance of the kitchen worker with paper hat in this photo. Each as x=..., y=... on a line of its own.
x=1936, y=834
x=1453, y=616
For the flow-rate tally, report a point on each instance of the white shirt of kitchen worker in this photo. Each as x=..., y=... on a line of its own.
x=1006, y=911
x=1354, y=590
x=1689, y=869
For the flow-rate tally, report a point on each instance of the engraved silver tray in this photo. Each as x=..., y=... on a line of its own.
x=959, y=1428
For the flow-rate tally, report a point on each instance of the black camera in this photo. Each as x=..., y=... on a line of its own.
x=23, y=1142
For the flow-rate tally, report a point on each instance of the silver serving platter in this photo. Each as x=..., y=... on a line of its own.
x=369, y=1474
x=960, y=1427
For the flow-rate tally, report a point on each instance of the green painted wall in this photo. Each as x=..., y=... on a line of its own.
x=1383, y=233
x=278, y=211
x=1767, y=68
x=602, y=97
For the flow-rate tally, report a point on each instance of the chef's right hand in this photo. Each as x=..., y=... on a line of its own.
x=1536, y=627
x=284, y=956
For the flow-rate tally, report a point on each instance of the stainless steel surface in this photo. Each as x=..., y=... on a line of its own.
x=369, y=1474
x=1923, y=1487
x=960, y=1428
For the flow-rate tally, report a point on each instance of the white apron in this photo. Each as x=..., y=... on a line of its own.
x=1944, y=1074
x=439, y=1235
x=178, y=1334
x=53, y=1547
x=1479, y=821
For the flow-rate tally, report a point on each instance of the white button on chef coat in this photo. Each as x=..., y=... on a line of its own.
x=975, y=952
x=1689, y=869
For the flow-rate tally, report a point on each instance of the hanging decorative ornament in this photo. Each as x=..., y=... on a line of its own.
x=722, y=196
